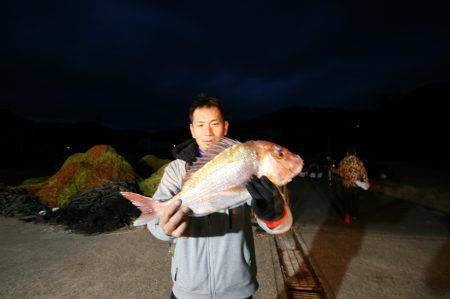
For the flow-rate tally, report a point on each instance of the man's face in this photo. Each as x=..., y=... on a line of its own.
x=207, y=126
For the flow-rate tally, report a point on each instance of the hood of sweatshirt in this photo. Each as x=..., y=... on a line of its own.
x=186, y=151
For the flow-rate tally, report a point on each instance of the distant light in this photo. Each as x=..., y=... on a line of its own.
x=357, y=126
x=68, y=148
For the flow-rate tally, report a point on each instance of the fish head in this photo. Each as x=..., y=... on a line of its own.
x=277, y=163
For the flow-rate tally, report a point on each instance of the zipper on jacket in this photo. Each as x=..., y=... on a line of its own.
x=176, y=273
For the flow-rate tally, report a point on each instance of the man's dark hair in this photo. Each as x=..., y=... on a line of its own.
x=206, y=101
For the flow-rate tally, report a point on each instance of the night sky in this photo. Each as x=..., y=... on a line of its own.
x=138, y=64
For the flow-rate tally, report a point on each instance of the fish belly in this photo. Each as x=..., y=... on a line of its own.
x=220, y=186
x=217, y=202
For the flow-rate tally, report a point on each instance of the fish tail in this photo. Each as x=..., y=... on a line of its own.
x=149, y=208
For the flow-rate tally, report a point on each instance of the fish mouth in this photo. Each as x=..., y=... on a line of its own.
x=294, y=171
x=298, y=169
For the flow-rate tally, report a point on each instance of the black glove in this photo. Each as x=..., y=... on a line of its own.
x=267, y=202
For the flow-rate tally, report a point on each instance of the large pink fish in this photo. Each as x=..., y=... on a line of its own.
x=217, y=180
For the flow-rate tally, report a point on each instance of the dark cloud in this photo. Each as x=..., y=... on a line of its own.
x=139, y=64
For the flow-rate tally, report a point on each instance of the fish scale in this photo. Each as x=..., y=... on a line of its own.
x=217, y=180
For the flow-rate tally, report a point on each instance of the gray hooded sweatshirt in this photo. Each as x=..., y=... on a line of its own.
x=218, y=260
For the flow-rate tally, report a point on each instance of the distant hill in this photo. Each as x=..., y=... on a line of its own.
x=39, y=149
x=406, y=127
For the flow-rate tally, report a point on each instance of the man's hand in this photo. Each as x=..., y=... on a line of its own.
x=174, y=221
x=267, y=202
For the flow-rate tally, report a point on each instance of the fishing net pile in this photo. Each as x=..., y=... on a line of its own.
x=83, y=195
x=97, y=210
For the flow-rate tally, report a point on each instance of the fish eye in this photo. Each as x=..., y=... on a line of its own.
x=279, y=153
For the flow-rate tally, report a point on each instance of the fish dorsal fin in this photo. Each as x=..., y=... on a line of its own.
x=213, y=150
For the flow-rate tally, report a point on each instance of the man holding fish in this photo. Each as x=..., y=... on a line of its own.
x=204, y=203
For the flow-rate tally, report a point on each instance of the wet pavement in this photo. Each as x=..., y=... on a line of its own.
x=395, y=249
